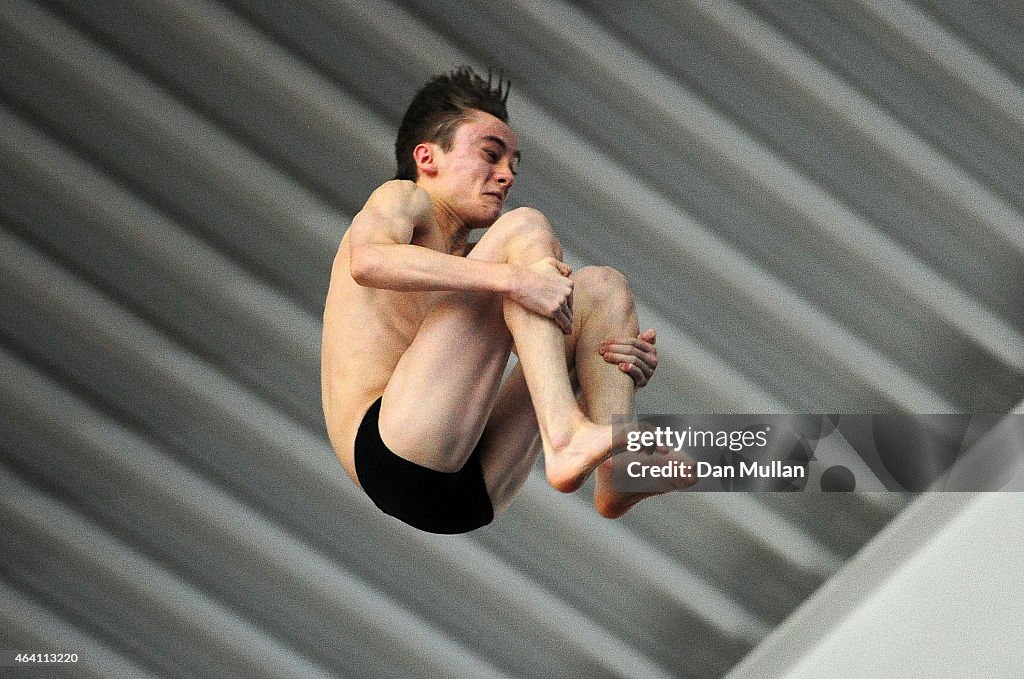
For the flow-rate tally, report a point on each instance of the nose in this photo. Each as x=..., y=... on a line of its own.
x=505, y=176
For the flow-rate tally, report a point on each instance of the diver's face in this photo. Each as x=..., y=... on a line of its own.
x=474, y=177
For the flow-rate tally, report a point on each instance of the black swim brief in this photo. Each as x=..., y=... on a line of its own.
x=433, y=501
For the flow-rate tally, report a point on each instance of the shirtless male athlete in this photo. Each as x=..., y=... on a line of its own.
x=419, y=326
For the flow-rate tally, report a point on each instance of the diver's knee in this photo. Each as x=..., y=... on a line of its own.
x=604, y=283
x=528, y=229
x=525, y=218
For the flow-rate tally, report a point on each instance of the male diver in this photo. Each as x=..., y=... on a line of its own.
x=419, y=325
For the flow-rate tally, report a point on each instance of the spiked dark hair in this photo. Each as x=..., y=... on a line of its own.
x=441, y=106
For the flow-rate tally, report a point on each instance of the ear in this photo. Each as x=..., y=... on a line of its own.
x=426, y=157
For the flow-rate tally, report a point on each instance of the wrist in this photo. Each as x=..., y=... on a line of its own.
x=508, y=281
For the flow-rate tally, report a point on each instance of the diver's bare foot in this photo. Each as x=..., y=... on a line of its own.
x=568, y=465
x=612, y=504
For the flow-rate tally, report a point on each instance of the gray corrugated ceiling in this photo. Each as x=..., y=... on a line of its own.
x=818, y=205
